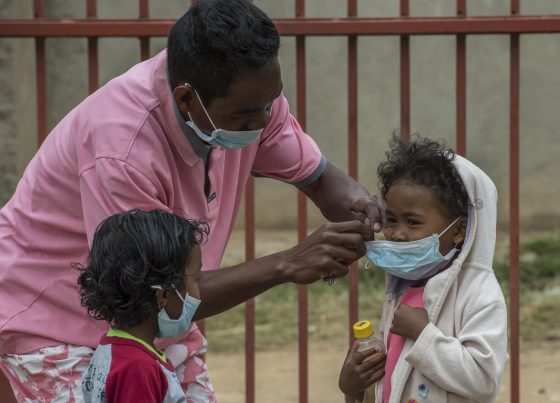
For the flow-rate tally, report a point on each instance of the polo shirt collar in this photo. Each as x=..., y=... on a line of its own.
x=200, y=147
x=175, y=130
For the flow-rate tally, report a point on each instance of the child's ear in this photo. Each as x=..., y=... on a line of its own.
x=460, y=231
x=162, y=296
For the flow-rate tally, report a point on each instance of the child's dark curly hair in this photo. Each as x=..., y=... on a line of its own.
x=427, y=163
x=132, y=251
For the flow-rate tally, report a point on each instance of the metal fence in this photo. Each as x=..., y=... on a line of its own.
x=301, y=27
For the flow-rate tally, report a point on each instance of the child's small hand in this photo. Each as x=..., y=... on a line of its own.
x=409, y=322
x=360, y=370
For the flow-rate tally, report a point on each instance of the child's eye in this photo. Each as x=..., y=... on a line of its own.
x=411, y=222
x=391, y=221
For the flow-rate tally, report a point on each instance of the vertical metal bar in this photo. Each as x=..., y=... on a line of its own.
x=144, y=13
x=93, y=64
x=352, y=11
x=405, y=77
x=461, y=85
x=41, y=76
x=250, y=304
x=301, y=96
x=514, y=210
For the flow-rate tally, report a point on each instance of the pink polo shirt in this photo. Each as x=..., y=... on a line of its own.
x=121, y=148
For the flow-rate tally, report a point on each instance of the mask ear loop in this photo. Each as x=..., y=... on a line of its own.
x=178, y=294
x=157, y=287
x=203, y=108
x=449, y=226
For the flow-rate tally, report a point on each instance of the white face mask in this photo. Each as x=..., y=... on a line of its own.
x=413, y=260
x=229, y=139
x=168, y=327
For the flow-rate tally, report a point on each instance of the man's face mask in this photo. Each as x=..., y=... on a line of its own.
x=168, y=327
x=413, y=260
x=229, y=139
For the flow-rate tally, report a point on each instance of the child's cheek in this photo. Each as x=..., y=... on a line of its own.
x=174, y=309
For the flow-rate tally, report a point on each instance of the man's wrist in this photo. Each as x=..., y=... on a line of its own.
x=282, y=267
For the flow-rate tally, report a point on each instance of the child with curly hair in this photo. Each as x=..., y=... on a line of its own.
x=444, y=319
x=142, y=277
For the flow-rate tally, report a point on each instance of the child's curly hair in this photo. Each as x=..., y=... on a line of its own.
x=427, y=163
x=132, y=251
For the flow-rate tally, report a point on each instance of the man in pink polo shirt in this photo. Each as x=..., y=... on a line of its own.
x=180, y=132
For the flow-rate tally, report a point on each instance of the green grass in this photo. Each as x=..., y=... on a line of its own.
x=539, y=264
x=276, y=311
x=539, y=314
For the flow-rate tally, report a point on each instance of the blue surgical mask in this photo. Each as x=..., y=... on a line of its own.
x=168, y=327
x=229, y=139
x=410, y=260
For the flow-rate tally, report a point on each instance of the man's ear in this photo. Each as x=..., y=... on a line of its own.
x=460, y=231
x=184, y=98
x=162, y=296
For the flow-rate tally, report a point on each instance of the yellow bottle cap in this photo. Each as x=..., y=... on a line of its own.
x=363, y=329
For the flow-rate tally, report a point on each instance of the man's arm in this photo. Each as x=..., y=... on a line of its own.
x=341, y=198
x=325, y=253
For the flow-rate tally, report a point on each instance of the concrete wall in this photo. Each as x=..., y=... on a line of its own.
x=432, y=95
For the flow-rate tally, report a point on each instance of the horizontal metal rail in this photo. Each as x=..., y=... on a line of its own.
x=292, y=26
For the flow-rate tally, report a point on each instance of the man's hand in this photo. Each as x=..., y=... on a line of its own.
x=409, y=322
x=326, y=253
x=341, y=198
x=360, y=370
x=371, y=208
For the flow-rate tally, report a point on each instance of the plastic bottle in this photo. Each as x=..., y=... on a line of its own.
x=364, y=334
x=363, y=331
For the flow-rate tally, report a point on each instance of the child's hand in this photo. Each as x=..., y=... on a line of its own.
x=360, y=370
x=409, y=322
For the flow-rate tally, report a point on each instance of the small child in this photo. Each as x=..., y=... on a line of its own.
x=142, y=277
x=444, y=318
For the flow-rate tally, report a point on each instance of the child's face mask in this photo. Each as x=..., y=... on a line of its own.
x=168, y=327
x=413, y=260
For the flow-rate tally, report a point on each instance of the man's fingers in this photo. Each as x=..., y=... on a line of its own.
x=358, y=216
x=380, y=212
x=335, y=269
x=353, y=226
x=351, y=241
x=342, y=254
x=372, y=208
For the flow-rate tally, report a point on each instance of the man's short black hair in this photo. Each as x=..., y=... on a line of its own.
x=132, y=251
x=426, y=163
x=214, y=41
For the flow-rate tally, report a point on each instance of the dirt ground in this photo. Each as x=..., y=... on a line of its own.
x=277, y=374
